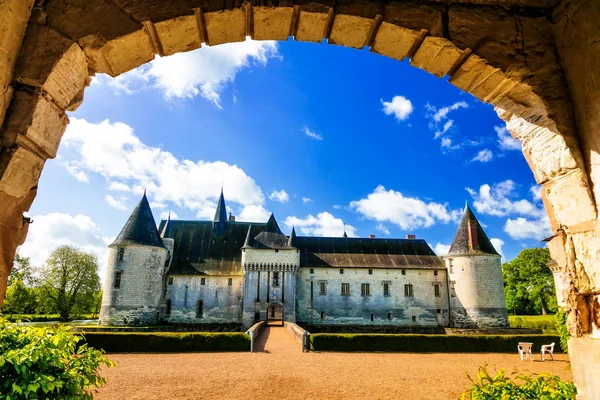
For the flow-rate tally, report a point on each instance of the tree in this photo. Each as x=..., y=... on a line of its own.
x=69, y=280
x=20, y=297
x=22, y=270
x=529, y=284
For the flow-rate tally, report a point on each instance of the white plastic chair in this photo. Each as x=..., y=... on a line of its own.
x=548, y=349
x=525, y=350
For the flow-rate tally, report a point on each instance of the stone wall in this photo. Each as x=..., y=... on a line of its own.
x=356, y=309
x=139, y=298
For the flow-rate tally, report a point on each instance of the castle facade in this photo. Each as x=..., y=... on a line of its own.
x=226, y=271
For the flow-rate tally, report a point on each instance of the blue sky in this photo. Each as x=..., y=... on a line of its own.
x=318, y=134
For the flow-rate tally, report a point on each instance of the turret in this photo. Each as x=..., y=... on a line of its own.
x=133, y=285
x=220, y=219
x=292, y=238
x=475, y=277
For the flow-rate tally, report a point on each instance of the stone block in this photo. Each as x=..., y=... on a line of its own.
x=393, y=41
x=415, y=16
x=556, y=245
x=436, y=56
x=178, y=35
x=272, y=23
x=585, y=254
x=21, y=174
x=225, y=26
x=311, y=27
x=571, y=198
x=34, y=122
x=480, y=79
x=584, y=354
x=350, y=31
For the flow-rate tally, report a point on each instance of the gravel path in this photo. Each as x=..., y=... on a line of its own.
x=282, y=371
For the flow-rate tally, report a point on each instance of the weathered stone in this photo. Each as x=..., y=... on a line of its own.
x=436, y=56
x=21, y=174
x=350, y=31
x=311, y=27
x=272, y=23
x=225, y=26
x=480, y=79
x=393, y=41
x=583, y=249
x=178, y=35
x=571, y=198
x=584, y=354
x=415, y=16
x=35, y=123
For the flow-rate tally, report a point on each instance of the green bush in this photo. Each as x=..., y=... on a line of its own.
x=131, y=342
x=523, y=387
x=544, y=322
x=563, y=331
x=46, y=363
x=43, y=317
x=425, y=343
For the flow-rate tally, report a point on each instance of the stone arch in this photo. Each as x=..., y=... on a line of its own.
x=503, y=52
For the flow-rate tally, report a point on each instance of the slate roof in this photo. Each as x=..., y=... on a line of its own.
x=167, y=231
x=140, y=228
x=221, y=212
x=271, y=237
x=460, y=244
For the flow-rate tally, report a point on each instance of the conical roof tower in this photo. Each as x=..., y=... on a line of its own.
x=220, y=219
x=167, y=231
x=470, y=237
x=292, y=238
x=140, y=228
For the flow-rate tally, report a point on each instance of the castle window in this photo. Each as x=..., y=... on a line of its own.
x=436, y=290
x=341, y=270
x=199, y=309
x=372, y=317
x=389, y=316
x=450, y=266
x=120, y=253
x=408, y=290
x=435, y=273
x=322, y=314
x=386, y=289
x=452, y=288
x=365, y=289
x=414, y=318
x=322, y=288
x=170, y=280
x=439, y=310
x=275, y=279
x=403, y=272
x=276, y=250
x=312, y=270
x=203, y=281
x=118, y=279
x=230, y=282
x=168, y=306
x=345, y=289
x=370, y=272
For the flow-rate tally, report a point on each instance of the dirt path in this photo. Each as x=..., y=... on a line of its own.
x=282, y=371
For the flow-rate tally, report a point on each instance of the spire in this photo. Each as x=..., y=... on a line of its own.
x=140, y=228
x=292, y=238
x=272, y=225
x=167, y=232
x=345, y=234
x=221, y=213
x=248, y=241
x=470, y=237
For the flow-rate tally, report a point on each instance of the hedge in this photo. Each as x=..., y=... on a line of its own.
x=428, y=343
x=167, y=342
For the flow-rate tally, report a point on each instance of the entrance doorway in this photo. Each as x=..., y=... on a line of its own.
x=275, y=314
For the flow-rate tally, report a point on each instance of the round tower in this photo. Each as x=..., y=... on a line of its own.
x=135, y=272
x=476, y=296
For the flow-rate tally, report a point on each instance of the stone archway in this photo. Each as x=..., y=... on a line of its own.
x=528, y=58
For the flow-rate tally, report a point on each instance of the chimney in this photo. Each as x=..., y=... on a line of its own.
x=473, y=238
x=411, y=236
x=372, y=236
x=231, y=218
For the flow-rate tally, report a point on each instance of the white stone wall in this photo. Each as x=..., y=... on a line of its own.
x=138, y=300
x=479, y=299
x=269, y=256
x=559, y=285
x=356, y=309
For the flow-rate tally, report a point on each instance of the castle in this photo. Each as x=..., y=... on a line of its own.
x=226, y=271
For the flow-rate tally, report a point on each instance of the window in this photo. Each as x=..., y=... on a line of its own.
x=276, y=250
x=230, y=282
x=389, y=316
x=408, y=290
x=403, y=272
x=121, y=254
x=450, y=266
x=372, y=317
x=199, y=309
x=118, y=279
x=386, y=289
x=370, y=272
x=414, y=318
x=312, y=270
x=439, y=310
x=452, y=288
x=435, y=273
x=256, y=316
x=322, y=314
x=275, y=279
x=365, y=289
x=170, y=280
x=341, y=270
x=345, y=289
x=436, y=290
x=168, y=306
x=322, y=288
x=203, y=281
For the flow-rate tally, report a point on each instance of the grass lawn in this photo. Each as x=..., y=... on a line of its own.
x=544, y=322
x=44, y=317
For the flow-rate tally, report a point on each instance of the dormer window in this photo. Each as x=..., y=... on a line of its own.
x=120, y=253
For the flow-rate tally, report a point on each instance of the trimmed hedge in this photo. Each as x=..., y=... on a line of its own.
x=428, y=343
x=166, y=342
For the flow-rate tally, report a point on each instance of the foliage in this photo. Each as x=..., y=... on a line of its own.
x=563, y=331
x=168, y=341
x=544, y=322
x=69, y=281
x=46, y=363
x=21, y=271
x=534, y=387
x=529, y=284
x=19, y=299
x=426, y=343
x=43, y=317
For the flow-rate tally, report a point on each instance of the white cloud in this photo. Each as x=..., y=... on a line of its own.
x=442, y=113
x=497, y=200
x=483, y=156
x=498, y=243
x=337, y=206
x=446, y=143
x=119, y=204
x=523, y=228
x=253, y=213
x=324, y=224
x=441, y=125
x=406, y=212
x=113, y=151
x=536, y=192
x=118, y=186
x=306, y=200
x=505, y=140
x=49, y=231
x=312, y=134
x=400, y=106
x=165, y=215
x=280, y=196
x=204, y=72
x=74, y=170
x=441, y=249
x=383, y=229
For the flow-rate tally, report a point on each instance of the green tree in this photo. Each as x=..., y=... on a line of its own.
x=529, y=284
x=19, y=299
x=22, y=270
x=69, y=280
